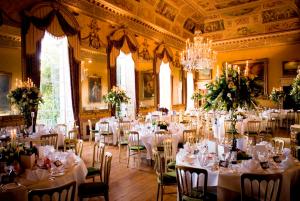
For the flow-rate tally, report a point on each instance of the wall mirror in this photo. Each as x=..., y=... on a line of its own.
x=94, y=80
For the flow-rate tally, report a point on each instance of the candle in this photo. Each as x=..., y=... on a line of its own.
x=217, y=74
x=238, y=70
x=226, y=71
x=246, y=70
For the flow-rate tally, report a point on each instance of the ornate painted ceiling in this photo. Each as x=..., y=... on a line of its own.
x=176, y=20
x=220, y=19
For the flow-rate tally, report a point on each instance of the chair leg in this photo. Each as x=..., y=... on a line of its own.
x=157, y=192
x=128, y=157
x=106, y=196
x=162, y=193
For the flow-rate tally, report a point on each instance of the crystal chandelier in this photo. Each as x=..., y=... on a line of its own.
x=198, y=54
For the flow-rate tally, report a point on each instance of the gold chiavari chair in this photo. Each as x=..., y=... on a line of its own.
x=124, y=128
x=97, y=164
x=290, y=118
x=105, y=132
x=164, y=178
x=260, y=186
x=159, y=136
x=79, y=148
x=94, y=189
x=169, y=156
x=134, y=146
x=192, y=184
x=71, y=140
x=189, y=136
x=253, y=129
x=49, y=139
x=278, y=145
x=175, y=118
x=93, y=132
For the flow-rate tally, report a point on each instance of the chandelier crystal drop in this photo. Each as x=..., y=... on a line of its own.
x=198, y=54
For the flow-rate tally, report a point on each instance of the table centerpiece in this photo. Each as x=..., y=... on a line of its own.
x=26, y=97
x=295, y=92
x=277, y=95
x=231, y=91
x=115, y=97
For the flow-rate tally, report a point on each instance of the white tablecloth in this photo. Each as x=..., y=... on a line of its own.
x=229, y=179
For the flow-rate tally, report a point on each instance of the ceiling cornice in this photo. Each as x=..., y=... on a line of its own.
x=10, y=40
x=265, y=40
x=112, y=14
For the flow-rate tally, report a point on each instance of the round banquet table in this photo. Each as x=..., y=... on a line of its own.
x=29, y=181
x=228, y=180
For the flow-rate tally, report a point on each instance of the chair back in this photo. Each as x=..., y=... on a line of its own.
x=49, y=139
x=189, y=136
x=290, y=115
x=158, y=164
x=160, y=136
x=253, y=126
x=168, y=151
x=104, y=126
x=278, y=145
x=98, y=154
x=90, y=125
x=125, y=126
x=227, y=126
x=61, y=193
x=133, y=138
x=72, y=134
x=261, y=186
x=192, y=182
x=61, y=128
x=107, y=167
x=79, y=148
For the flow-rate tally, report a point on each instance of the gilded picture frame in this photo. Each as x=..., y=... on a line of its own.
x=5, y=87
x=95, y=89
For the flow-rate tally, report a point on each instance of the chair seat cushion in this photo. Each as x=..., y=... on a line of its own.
x=171, y=165
x=169, y=177
x=91, y=189
x=123, y=143
x=93, y=171
x=197, y=194
x=106, y=133
x=139, y=147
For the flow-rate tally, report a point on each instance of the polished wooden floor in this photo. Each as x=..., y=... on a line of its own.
x=139, y=184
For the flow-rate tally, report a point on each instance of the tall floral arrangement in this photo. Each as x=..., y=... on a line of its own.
x=115, y=97
x=295, y=92
x=26, y=97
x=277, y=95
x=231, y=91
x=197, y=95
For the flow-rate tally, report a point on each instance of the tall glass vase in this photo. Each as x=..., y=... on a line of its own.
x=117, y=110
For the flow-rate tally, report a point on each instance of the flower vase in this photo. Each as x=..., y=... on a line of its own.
x=117, y=111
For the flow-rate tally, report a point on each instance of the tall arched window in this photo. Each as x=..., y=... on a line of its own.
x=190, y=90
x=55, y=82
x=165, y=86
x=126, y=80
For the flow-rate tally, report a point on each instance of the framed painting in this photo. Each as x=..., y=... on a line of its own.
x=289, y=68
x=95, y=89
x=257, y=68
x=148, y=89
x=5, y=86
x=203, y=74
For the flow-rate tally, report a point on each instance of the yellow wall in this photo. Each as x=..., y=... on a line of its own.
x=276, y=56
x=10, y=62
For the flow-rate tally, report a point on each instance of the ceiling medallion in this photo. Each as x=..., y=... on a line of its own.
x=198, y=54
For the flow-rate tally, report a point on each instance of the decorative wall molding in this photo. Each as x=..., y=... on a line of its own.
x=286, y=81
x=10, y=41
x=93, y=54
x=112, y=14
x=265, y=40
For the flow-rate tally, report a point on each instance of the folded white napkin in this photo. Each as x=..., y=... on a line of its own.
x=287, y=162
x=251, y=165
x=36, y=175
